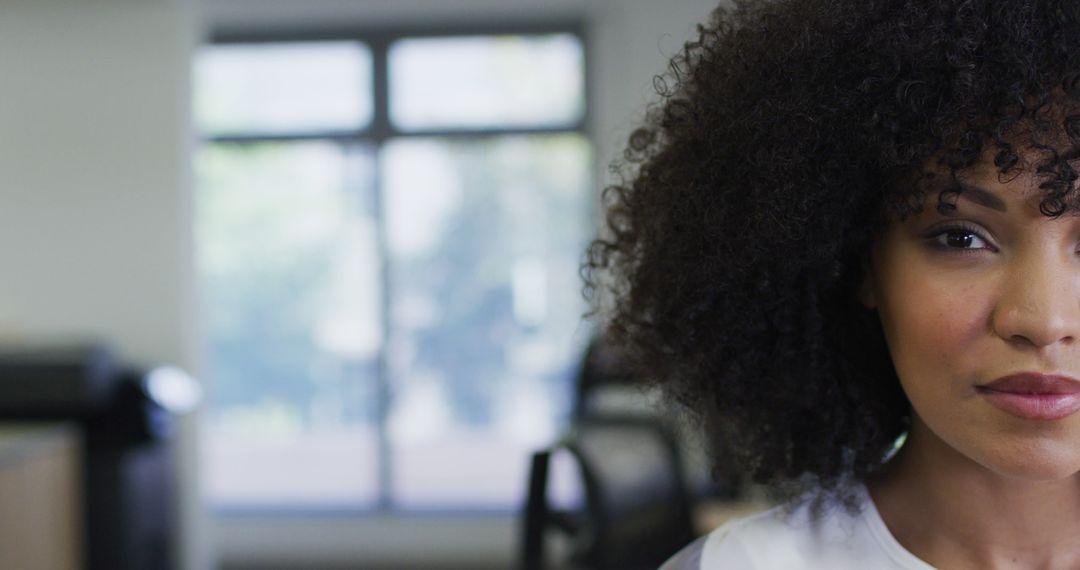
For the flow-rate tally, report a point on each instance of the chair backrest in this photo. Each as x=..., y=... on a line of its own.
x=637, y=509
x=604, y=372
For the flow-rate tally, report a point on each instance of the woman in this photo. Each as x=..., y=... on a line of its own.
x=852, y=222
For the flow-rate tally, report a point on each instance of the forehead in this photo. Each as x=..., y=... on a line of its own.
x=1032, y=159
x=989, y=187
x=1020, y=191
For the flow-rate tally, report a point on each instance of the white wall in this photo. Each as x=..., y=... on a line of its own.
x=95, y=215
x=630, y=42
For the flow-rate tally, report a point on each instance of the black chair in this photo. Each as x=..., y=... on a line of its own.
x=637, y=511
x=604, y=376
x=607, y=384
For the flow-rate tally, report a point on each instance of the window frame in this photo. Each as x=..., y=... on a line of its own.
x=377, y=133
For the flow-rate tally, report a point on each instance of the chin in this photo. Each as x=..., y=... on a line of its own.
x=1037, y=463
x=1038, y=473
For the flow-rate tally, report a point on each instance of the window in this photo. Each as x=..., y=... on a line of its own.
x=388, y=238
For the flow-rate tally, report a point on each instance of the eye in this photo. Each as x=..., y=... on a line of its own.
x=959, y=238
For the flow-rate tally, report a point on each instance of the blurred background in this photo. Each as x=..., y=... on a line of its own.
x=355, y=225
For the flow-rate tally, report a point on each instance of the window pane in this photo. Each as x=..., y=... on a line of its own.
x=476, y=82
x=280, y=88
x=485, y=242
x=290, y=296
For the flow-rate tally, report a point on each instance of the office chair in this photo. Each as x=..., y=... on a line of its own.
x=637, y=510
x=605, y=382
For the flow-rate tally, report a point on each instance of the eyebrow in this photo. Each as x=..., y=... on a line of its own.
x=981, y=196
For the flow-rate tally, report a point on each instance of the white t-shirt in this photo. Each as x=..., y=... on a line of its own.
x=776, y=539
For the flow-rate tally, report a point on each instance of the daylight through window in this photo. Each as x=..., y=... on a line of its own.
x=388, y=238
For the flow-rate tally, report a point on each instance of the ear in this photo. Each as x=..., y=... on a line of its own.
x=867, y=291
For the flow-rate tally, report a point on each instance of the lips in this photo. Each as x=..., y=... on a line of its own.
x=1032, y=396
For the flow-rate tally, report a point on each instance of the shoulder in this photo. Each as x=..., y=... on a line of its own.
x=802, y=536
x=729, y=546
x=756, y=541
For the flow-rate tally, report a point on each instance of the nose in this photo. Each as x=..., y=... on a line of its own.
x=1040, y=302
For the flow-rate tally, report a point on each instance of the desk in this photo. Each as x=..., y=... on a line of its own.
x=40, y=483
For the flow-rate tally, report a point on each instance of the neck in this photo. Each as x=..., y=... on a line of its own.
x=954, y=513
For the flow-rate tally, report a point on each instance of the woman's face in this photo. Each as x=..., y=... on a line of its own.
x=970, y=297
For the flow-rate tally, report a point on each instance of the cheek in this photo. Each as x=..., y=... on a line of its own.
x=933, y=324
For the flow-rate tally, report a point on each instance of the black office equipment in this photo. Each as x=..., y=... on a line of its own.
x=637, y=511
x=128, y=445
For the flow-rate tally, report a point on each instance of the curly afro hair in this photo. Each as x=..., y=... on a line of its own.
x=788, y=135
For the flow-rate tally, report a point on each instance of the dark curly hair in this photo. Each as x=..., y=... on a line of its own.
x=788, y=135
